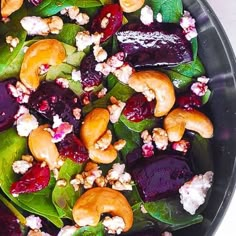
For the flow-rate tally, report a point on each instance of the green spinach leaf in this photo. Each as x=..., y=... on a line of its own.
x=91, y=231
x=64, y=197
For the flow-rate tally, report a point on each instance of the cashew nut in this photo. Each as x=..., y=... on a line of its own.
x=92, y=130
x=131, y=5
x=89, y=207
x=180, y=119
x=42, y=147
x=154, y=84
x=46, y=51
x=10, y=6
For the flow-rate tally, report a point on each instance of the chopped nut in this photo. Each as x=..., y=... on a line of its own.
x=143, y=210
x=101, y=181
x=119, y=144
x=104, y=141
x=115, y=109
x=160, y=138
x=147, y=138
x=27, y=158
x=114, y=225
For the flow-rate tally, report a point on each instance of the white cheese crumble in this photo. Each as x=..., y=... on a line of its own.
x=34, y=222
x=21, y=166
x=35, y=25
x=99, y=53
x=67, y=230
x=159, y=17
x=146, y=16
x=115, y=109
x=123, y=73
x=13, y=42
x=76, y=75
x=25, y=124
x=193, y=192
x=114, y=225
x=83, y=40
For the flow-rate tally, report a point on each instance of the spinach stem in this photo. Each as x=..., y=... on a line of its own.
x=18, y=215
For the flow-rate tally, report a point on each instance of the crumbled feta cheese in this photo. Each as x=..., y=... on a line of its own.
x=199, y=88
x=72, y=12
x=147, y=138
x=181, y=146
x=166, y=233
x=35, y=25
x=193, y=192
x=21, y=166
x=77, y=113
x=116, y=171
x=83, y=40
x=159, y=17
x=104, y=68
x=76, y=75
x=22, y=110
x=147, y=149
x=188, y=25
x=13, y=42
x=82, y=19
x=62, y=82
x=203, y=79
x=102, y=93
x=34, y=222
x=146, y=16
x=116, y=60
x=115, y=109
x=160, y=138
x=104, y=141
x=96, y=38
x=104, y=22
x=114, y=225
x=67, y=230
x=123, y=73
x=99, y=53
x=25, y=124
x=143, y=209
x=57, y=121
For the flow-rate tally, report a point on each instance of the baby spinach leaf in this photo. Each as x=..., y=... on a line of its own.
x=52, y=7
x=171, y=10
x=138, y=126
x=64, y=197
x=192, y=69
x=12, y=147
x=91, y=231
x=119, y=91
x=194, y=43
x=170, y=211
x=206, y=96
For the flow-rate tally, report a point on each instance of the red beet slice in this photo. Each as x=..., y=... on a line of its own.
x=160, y=177
x=8, y=105
x=156, y=44
x=34, y=180
x=50, y=99
x=138, y=108
x=112, y=14
x=73, y=148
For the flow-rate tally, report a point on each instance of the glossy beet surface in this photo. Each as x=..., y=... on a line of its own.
x=137, y=108
x=50, y=99
x=188, y=100
x=35, y=179
x=160, y=177
x=108, y=21
x=156, y=44
x=73, y=148
x=9, y=223
x=89, y=76
x=8, y=105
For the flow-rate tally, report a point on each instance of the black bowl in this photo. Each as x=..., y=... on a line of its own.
x=218, y=57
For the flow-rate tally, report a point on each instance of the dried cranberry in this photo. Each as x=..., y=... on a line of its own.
x=8, y=105
x=188, y=100
x=138, y=108
x=34, y=180
x=89, y=76
x=73, y=148
x=9, y=223
x=50, y=99
x=160, y=177
x=108, y=21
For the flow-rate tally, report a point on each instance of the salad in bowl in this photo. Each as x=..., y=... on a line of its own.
x=103, y=125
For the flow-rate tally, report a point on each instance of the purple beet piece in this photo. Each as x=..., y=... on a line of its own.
x=9, y=223
x=8, y=105
x=160, y=177
x=89, y=76
x=156, y=44
x=189, y=100
x=50, y=99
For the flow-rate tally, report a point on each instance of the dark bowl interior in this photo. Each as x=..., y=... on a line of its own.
x=219, y=60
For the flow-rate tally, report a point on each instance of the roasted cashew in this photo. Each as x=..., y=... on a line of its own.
x=131, y=5
x=154, y=84
x=42, y=147
x=180, y=119
x=93, y=128
x=10, y=6
x=96, y=201
x=46, y=51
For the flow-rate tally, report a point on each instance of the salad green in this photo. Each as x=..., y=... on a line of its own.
x=55, y=202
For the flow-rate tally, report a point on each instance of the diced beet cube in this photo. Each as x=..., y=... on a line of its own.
x=160, y=177
x=155, y=44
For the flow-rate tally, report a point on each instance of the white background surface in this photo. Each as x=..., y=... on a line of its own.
x=226, y=12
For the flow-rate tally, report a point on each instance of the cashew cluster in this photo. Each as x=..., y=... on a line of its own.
x=46, y=51
x=96, y=201
x=154, y=84
x=180, y=119
x=94, y=133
